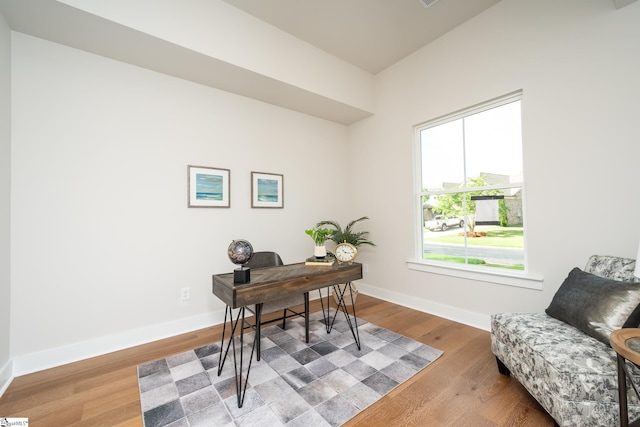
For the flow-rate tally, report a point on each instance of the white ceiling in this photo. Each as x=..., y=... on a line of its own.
x=370, y=34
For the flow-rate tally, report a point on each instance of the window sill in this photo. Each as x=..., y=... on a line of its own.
x=506, y=277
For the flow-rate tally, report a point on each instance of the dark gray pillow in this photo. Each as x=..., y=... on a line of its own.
x=595, y=305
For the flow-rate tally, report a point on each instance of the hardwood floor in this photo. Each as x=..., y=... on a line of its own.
x=462, y=388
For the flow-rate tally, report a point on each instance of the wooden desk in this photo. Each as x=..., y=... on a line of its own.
x=278, y=282
x=272, y=283
x=626, y=343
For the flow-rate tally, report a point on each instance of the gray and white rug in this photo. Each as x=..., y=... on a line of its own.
x=323, y=383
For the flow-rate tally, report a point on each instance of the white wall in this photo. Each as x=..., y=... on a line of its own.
x=577, y=62
x=102, y=237
x=5, y=196
x=102, y=241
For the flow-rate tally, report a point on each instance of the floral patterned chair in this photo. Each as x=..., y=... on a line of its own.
x=572, y=374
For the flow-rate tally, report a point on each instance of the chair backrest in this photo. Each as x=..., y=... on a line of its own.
x=264, y=259
x=612, y=267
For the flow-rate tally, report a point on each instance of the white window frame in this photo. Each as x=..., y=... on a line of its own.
x=507, y=277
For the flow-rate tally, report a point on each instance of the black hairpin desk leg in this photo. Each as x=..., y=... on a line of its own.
x=241, y=384
x=353, y=323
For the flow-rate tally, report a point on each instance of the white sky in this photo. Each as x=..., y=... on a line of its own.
x=491, y=142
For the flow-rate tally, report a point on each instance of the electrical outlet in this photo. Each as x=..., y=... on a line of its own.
x=185, y=293
x=365, y=268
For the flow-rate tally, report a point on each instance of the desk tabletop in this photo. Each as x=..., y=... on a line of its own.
x=278, y=282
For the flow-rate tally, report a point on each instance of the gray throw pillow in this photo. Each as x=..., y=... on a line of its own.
x=595, y=305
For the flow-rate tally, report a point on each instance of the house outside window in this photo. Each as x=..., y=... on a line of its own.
x=470, y=188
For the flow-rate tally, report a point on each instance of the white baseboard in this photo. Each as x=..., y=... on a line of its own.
x=50, y=358
x=58, y=356
x=6, y=376
x=477, y=320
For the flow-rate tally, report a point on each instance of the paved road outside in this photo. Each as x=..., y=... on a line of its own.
x=491, y=254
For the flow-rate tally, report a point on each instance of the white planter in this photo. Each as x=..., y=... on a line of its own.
x=320, y=251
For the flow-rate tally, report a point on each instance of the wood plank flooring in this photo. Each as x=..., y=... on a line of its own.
x=462, y=388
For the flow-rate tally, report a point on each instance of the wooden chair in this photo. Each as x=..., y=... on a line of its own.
x=272, y=259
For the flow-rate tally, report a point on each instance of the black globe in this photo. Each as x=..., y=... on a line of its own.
x=240, y=252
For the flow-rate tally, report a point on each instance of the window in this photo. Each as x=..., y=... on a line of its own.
x=470, y=188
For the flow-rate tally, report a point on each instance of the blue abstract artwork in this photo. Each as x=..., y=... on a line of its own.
x=267, y=190
x=209, y=187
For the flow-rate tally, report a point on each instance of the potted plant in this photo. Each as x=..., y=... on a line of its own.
x=319, y=236
x=339, y=235
x=347, y=234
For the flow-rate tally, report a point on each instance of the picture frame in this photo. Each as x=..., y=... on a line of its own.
x=267, y=190
x=208, y=187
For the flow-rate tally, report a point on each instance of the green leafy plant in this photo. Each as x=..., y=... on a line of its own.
x=340, y=235
x=319, y=235
x=356, y=238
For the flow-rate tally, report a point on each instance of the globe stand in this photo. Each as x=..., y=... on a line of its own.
x=240, y=252
x=242, y=275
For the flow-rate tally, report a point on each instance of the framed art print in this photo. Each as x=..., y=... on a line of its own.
x=267, y=190
x=208, y=187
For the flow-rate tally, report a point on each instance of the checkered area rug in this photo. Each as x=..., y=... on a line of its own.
x=323, y=383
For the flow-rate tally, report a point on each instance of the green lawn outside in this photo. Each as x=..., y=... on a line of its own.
x=472, y=261
x=503, y=237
